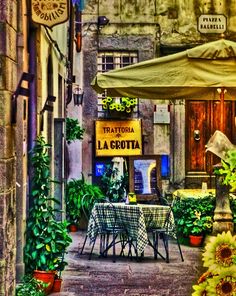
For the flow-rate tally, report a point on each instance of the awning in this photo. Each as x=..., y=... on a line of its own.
x=191, y=72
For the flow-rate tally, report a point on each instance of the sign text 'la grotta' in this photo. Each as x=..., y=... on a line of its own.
x=49, y=12
x=118, y=138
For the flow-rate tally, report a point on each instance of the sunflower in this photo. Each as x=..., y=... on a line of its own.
x=223, y=284
x=205, y=276
x=201, y=289
x=220, y=253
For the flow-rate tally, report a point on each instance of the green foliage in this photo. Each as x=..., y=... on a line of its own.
x=73, y=130
x=229, y=169
x=30, y=287
x=194, y=215
x=80, y=196
x=114, y=187
x=46, y=238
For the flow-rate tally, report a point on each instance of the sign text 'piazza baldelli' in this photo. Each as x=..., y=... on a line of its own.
x=212, y=23
x=118, y=138
x=49, y=12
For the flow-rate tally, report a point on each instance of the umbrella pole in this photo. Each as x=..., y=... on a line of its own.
x=222, y=92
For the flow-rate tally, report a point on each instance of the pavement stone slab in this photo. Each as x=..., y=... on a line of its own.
x=102, y=277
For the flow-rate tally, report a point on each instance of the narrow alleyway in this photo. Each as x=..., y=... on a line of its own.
x=102, y=277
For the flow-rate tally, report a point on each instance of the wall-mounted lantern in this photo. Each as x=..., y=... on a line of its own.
x=78, y=95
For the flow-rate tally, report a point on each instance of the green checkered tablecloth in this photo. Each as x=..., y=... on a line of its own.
x=135, y=218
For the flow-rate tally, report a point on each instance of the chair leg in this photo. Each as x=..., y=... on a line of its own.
x=166, y=245
x=91, y=252
x=155, y=244
x=180, y=251
x=114, y=246
x=81, y=252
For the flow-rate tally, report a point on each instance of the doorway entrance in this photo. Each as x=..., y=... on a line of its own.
x=202, y=120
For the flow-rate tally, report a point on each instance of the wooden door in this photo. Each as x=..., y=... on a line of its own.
x=202, y=120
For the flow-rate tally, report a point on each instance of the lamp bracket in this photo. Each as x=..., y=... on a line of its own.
x=20, y=90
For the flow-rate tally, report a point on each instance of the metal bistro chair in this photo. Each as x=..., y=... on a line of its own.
x=105, y=222
x=113, y=228
x=88, y=214
x=168, y=230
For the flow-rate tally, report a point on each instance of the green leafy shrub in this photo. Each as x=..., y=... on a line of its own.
x=114, y=187
x=73, y=130
x=46, y=238
x=194, y=215
x=30, y=287
x=80, y=196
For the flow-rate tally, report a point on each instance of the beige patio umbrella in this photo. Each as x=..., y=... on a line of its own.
x=180, y=75
x=194, y=71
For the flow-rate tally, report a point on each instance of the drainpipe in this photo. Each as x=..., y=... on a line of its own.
x=32, y=105
x=70, y=55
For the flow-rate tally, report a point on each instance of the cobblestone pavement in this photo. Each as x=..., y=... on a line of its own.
x=102, y=277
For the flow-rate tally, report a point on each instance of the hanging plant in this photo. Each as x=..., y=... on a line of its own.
x=73, y=130
x=126, y=104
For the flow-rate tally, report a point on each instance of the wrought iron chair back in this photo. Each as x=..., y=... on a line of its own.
x=164, y=232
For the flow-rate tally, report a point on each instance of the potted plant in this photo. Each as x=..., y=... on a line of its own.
x=194, y=217
x=30, y=286
x=46, y=238
x=114, y=187
x=73, y=130
x=76, y=204
x=198, y=226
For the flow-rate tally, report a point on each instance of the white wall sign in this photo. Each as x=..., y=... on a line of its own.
x=49, y=12
x=162, y=114
x=212, y=23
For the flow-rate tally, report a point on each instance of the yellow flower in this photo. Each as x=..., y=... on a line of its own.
x=219, y=253
x=197, y=214
x=104, y=106
x=223, y=284
x=201, y=289
x=109, y=99
x=118, y=107
x=112, y=106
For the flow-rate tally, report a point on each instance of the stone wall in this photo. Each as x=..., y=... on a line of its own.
x=152, y=28
x=8, y=79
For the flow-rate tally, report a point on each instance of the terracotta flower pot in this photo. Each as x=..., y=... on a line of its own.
x=73, y=228
x=46, y=277
x=195, y=240
x=57, y=285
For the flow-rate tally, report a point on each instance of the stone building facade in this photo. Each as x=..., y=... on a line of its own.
x=33, y=70
x=150, y=29
x=11, y=39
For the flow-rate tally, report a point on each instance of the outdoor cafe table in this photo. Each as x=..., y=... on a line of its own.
x=196, y=193
x=135, y=218
x=193, y=193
